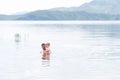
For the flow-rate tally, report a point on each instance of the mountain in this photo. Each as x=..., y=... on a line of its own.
x=9, y=17
x=97, y=6
x=66, y=15
x=102, y=6
x=94, y=10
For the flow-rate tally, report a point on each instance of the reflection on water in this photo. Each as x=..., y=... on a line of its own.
x=45, y=63
x=79, y=52
x=104, y=30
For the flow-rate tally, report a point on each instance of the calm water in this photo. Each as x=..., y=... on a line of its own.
x=79, y=52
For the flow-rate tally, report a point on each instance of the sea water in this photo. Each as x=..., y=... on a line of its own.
x=80, y=51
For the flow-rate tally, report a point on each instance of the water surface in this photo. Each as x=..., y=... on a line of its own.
x=79, y=51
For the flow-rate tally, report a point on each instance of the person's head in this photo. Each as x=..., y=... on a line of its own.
x=43, y=46
x=48, y=44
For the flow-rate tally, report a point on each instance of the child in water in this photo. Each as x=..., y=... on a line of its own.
x=48, y=51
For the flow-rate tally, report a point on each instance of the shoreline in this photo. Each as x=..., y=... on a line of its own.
x=60, y=22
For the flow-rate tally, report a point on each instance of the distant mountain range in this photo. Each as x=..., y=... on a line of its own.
x=97, y=6
x=95, y=10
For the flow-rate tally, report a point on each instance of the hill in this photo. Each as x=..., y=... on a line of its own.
x=95, y=10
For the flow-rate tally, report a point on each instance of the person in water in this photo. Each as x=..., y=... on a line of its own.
x=45, y=51
x=48, y=51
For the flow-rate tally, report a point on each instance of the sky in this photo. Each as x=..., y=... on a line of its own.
x=15, y=6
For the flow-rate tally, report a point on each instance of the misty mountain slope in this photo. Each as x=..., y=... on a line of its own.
x=94, y=10
x=101, y=6
x=65, y=15
x=97, y=6
x=9, y=17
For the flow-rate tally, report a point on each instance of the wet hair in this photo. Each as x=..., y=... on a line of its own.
x=43, y=46
x=48, y=44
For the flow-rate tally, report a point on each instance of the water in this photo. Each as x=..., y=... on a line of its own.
x=79, y=51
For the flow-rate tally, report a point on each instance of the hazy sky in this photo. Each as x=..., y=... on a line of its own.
x=13, y=6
